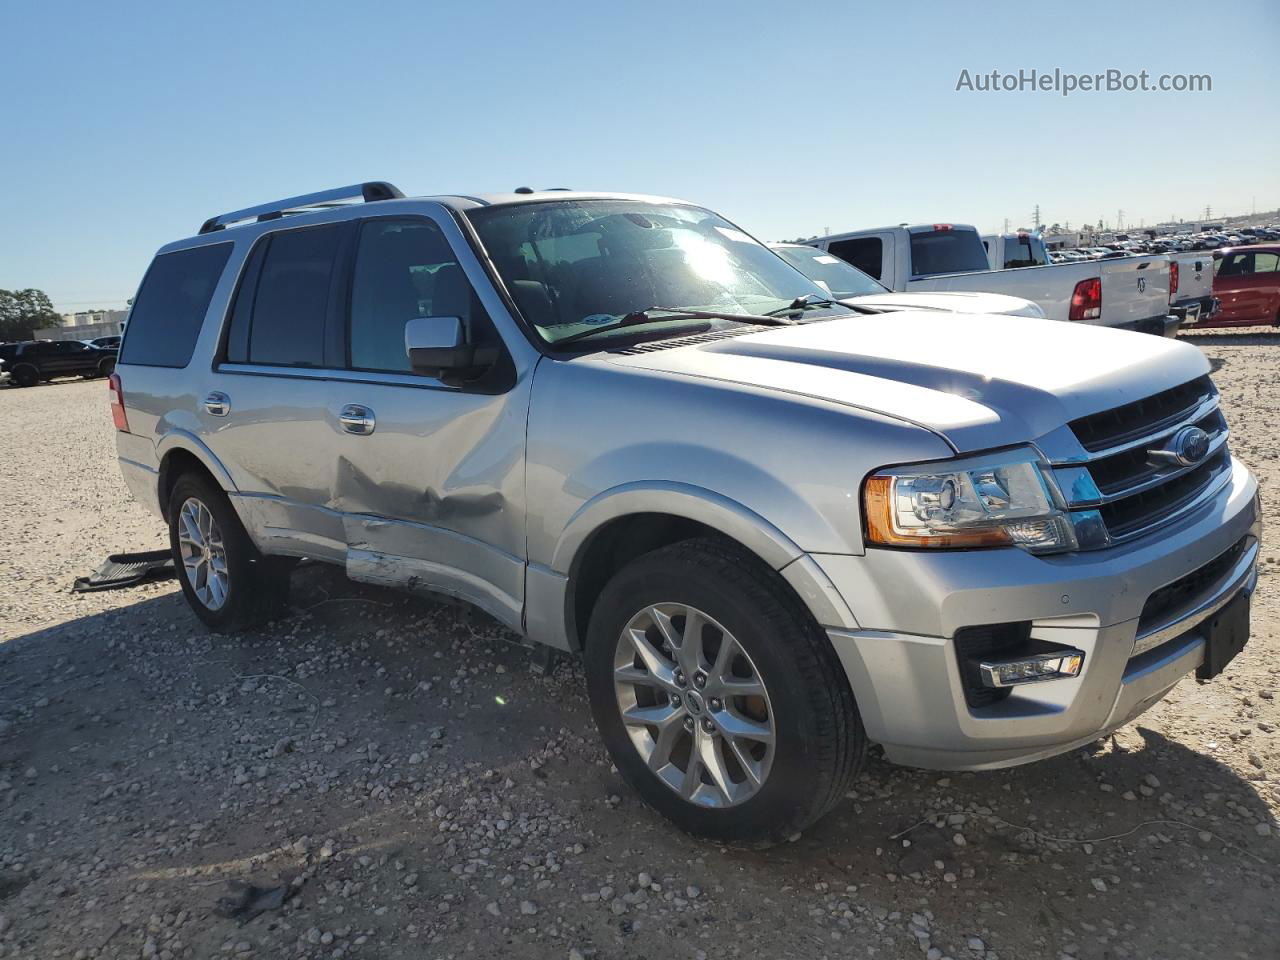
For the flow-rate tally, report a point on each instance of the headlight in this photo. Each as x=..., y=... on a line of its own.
x=999, y=500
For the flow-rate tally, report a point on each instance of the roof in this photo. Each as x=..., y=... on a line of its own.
x=306, y=208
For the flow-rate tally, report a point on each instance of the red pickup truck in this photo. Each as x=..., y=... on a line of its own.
x=1247, y=282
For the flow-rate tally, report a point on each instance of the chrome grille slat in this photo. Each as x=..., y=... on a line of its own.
x=1110, y=493
x=1216, y=478
x=1166, y=429
x=1141, y=418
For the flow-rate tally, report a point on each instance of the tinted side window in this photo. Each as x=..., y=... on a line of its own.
x=170, y=307
x=405, y=269
x=1018, y=253
x=865, y=253
x=946, y=251
x=287, y=326
x=1236, y=265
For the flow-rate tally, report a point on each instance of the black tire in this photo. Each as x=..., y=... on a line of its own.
x=820, y=743
x=25, y=376
x=106, y=367
x=257, y=587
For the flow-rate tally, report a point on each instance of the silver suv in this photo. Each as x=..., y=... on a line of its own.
x=776, y=528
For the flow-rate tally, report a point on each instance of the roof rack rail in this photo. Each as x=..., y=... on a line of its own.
x=368, y=192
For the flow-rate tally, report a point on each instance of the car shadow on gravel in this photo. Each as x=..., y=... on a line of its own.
x=407, y=736
x=1231, y=338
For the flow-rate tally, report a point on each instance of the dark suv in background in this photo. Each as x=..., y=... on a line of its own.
x=32, y=361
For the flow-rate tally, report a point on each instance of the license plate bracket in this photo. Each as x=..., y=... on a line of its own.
x=1225, y=635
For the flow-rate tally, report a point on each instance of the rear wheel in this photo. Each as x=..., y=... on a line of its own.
x=227, y=582
x=719, y=698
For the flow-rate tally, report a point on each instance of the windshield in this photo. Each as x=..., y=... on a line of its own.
x=572, y=265
x=831, y=273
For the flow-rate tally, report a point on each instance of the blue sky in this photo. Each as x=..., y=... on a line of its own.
x=128, y=124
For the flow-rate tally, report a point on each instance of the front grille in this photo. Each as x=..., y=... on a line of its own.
x=1132, y=514
x=1119, y=425
x=1176, y=596
x=1130, y=467
x=1134, y=489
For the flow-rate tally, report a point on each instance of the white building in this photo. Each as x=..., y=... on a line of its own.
x=84, y=318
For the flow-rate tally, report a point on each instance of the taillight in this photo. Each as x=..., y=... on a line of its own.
x=117, y=402
x=1086, y=300
x=1173, y=279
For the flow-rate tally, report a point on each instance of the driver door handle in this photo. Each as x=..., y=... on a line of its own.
x=217, y=403
x=357, y=419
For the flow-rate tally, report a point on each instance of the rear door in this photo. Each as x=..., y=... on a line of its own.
x=1135, y=291
x=429, y=475
x=266, y=417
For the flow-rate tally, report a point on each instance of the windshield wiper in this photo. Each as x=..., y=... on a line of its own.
x=637, y=317
x=807, y=302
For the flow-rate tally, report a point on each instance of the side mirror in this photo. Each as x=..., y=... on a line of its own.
x=437, y=347
x=437, y=343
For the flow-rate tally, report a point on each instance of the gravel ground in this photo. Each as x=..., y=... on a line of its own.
x=395, y=770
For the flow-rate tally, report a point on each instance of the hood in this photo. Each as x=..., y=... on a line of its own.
x=980, y=382
x=952, y=302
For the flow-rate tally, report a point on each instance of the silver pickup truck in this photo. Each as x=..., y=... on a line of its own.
x=776, y=529
x=1128, y=293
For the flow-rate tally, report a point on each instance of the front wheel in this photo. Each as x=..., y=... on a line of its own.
x=227, y=582
x=718, y=697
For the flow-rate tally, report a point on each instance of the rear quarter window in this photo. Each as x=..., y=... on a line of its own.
x=169, y=309
x=946, y=251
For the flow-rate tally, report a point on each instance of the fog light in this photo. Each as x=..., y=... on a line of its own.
x=1043, y=666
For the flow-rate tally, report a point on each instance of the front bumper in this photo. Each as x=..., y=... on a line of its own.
x=905, y=674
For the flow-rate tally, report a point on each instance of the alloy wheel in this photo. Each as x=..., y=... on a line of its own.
x=694, y=705
x=204, y=556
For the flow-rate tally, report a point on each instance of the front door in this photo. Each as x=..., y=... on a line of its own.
x=429, y=476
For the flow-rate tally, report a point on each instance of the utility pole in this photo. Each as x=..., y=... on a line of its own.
x=1208, y=212
x=1035, y=217
x=1119, y=220
x=1006, y=225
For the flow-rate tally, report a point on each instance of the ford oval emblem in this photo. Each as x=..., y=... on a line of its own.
x=1189, y=446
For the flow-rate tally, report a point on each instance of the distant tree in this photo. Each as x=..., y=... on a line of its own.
x=22, y=312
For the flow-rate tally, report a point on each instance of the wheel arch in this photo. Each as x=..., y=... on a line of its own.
x=619, y=525
x=181, y=453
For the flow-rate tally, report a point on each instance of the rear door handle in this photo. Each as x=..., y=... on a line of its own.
x=358, y=419
x=218, y=404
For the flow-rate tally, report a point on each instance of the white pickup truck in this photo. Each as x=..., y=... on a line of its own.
x=1191, y=296
x=1010, y=251
x=1130, y=293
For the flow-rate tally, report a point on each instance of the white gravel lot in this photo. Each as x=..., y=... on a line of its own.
x=422, y=794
